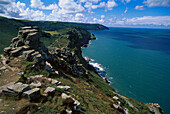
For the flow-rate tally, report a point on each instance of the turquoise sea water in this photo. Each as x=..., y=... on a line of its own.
x=137, y=62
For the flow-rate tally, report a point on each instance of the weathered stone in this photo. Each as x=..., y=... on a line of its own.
x=64, y=96
x=3, y=68
x=75, y=103
x=69, y=111
x=16, y=52
x=14, y=39
x=28, y=27
x=64, y=87
x=55, y=82
x=36, y=77
x=37, y=58
x=19, y=87
x=5, y=86
x=8, y=92
x=7, y=49
x=36, y=84
x=116, y=106
x=32, y=94
x=50, y=90
x=27, y=54
x=116, y=98
x=33, y=37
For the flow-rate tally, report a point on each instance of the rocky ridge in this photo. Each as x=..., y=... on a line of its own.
x=64, y=61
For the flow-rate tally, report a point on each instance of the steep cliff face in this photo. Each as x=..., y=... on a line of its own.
x=58, y=79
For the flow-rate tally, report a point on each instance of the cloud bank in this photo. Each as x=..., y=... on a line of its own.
x=77, y=11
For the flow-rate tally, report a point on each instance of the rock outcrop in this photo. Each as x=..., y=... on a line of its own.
x=28, y=45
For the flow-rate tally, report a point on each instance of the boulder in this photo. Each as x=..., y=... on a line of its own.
x=50, y=90
x=3, y=68
x=14, y=39
x=64, y=96
x=116, y=106
x=55, y=82
x=32, y=94
x=71, y=102
x=8, y=92
x=7, y=50
x=16, y=52
x=64, y=87
x=27, y=54
x=36, y=84
x=19, y=87
x=116, y=98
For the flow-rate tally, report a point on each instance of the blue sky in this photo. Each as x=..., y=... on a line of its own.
x=137, y=13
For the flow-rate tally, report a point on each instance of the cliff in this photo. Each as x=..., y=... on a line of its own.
x=10, y=27
x=57, y=79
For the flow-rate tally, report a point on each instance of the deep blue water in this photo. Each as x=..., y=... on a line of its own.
x=137, y=62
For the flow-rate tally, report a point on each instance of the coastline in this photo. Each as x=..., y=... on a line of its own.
x=100, y=71
x=96, y=66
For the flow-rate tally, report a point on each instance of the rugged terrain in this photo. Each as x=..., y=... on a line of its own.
x=57, y=79
x=10, y=27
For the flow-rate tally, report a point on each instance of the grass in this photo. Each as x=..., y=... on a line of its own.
x=9, y=28
x=52, y=32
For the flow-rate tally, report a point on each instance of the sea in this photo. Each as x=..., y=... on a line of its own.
x=136, y=61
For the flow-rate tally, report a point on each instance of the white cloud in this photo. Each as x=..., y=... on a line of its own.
x=40, y=5
x=79, y=17
x=149, y=20
x=102, y=16
x=110, y=4
x=90, y=6
x=126, y=10
x=70, y=7
x=139, y=8
x=125, y=1
x=94, y=1
x=157, y=3
x=144, y=21
x=36, y=4
x=51, y=7
x=101, y=20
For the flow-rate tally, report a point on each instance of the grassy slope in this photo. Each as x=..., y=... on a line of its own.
x=9, y=28
x=94, y=94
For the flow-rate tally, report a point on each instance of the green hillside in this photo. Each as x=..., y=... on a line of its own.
x=9, y=28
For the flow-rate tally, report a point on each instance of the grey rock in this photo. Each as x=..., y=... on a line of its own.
x=64, y=96
x=50, y=90
x=32, y=94
x=5, y=86
x=116, y=98
x=3, y=68
x=27, y=54
x=55, y=82
x=69, y=111
x=36, y=84
x=116, y=106
x=14, y=39
x=16, y=52
x=19, y=87
x=8, y=92
x=64, y=87
x=7, y=49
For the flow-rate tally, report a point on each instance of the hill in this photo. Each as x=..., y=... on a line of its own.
x=10, y=27
x=57, y=79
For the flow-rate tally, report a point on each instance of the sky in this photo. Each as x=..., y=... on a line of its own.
x=112, y=13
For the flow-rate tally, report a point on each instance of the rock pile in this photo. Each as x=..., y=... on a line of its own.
x=68, y=62
x=28, y=45
x=73, y=106
x=31, y=89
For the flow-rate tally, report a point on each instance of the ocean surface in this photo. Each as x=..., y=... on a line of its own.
x=137, y=62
